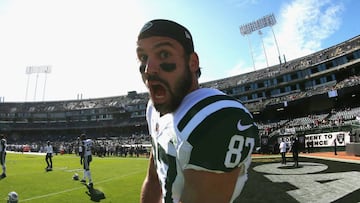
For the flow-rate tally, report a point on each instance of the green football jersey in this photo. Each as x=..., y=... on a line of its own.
x=210, y=131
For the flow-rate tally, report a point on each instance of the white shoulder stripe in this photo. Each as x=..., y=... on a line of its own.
x=191, y=99
x=208, y=110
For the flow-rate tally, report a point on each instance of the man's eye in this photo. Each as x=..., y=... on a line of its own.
x=143, y=58
x=164, y=54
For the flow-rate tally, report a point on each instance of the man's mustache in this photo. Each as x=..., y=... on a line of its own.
x=156, y=78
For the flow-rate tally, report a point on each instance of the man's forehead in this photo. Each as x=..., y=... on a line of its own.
x=157, y=42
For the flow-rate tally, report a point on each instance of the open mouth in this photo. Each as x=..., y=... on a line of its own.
x=158, y=92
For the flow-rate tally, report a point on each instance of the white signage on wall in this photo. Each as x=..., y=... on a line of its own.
x=328, y=139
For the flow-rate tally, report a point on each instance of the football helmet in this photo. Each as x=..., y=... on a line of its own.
x=75, y=176
x=13, y=197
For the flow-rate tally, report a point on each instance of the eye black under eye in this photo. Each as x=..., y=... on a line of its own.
x=168, y=67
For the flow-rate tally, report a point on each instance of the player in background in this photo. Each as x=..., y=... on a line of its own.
x=86, y=145
x=283, y=151
x=80, y=151
x=295, y=145
x=3, y=155
x=48, y=157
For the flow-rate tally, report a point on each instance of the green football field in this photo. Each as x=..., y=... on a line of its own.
x=118, y=178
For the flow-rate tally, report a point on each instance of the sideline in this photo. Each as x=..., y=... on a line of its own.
x=332, y=158
x=25, y=153
x=341, y=157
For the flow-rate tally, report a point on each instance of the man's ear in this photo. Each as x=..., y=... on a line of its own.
x=194, y=62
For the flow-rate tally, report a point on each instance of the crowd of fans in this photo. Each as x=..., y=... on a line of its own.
x=132, y=146
x=296, y=64
x=335, y=118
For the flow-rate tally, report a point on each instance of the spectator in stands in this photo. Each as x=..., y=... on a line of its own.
x=282, y=148
x=202, y=137
x=48, y=157
x=3, y=155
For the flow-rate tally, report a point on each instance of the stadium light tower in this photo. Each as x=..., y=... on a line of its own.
x=266, y=21
x=37, y=69
x=251, y=52
x=262, y=41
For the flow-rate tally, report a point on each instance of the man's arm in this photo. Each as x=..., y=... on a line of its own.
x=83, y=150
x=209, y=187
x=151, y=190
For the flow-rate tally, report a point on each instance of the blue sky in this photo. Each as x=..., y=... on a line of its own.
x=90, y=44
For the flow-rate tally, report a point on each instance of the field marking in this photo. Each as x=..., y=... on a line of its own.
x=309, y=181
x=321, y=187
x=74, y=170
x=51, y=194
x=278, y=168
x=77, y=188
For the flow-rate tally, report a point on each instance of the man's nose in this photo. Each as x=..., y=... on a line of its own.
x=151, y=67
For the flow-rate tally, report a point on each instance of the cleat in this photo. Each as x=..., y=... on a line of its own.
x=3, y=175
x=90, y=185
x=83, y=181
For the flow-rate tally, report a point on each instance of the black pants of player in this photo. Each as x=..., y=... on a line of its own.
x=2, y=162
x=48, y=159
x=296, y=159
x=283, y=157
x=2, y=158
x=81, y=158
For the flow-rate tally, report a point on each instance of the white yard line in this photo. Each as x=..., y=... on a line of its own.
x=82, y=186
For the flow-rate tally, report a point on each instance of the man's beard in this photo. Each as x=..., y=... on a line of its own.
x=181, y=89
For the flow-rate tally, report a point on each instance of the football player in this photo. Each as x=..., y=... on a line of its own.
x=3, y=155
x=86, y=145
x=202, y=139
x=80, y=151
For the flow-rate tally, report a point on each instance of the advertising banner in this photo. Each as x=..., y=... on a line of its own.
x=327, y=139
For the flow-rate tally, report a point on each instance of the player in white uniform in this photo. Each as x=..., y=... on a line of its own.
x=3, y=155
x=86, y=145
x=202, y=138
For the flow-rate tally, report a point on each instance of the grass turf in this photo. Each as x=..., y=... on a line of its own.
x=118, y=178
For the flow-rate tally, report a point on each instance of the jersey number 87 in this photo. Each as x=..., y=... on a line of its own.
x=236, y=146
